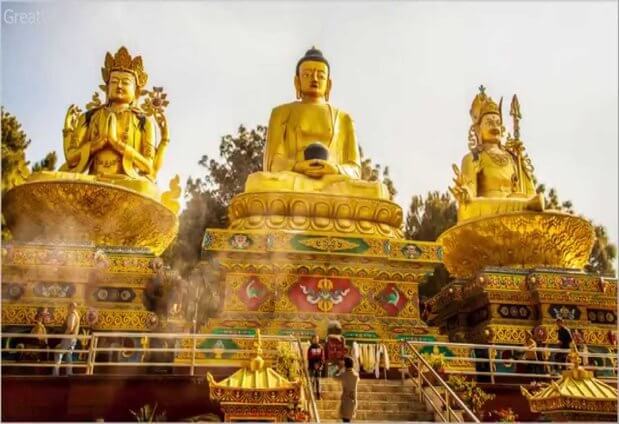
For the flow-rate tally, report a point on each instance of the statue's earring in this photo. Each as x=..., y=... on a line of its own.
x=297, y=87
x=473, y=138
x=328, y=92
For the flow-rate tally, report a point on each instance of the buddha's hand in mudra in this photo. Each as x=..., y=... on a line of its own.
x=315, y=168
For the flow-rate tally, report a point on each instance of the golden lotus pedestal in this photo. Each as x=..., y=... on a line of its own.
x=79, y=240
x=88, y=211
x=518, y=272
x=291, y=262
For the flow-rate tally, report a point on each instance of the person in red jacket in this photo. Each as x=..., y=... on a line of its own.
x=315, y=361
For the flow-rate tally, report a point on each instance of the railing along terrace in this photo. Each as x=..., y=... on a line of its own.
x=96, y=354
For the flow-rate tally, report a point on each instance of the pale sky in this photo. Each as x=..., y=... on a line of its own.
x=406, y=72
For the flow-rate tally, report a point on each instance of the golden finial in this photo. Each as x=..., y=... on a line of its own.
x=257, y=363
x=122, y=61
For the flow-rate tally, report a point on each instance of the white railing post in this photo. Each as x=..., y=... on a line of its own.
x=193, y=355
x=91, y=354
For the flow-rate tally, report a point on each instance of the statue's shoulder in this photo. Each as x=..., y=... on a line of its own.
x=87, y=116
x=343, y=115
x=281, y=112
x=471, y=158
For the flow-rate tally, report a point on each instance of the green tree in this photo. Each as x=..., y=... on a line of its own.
x=14, y=144
x=208, y=197
x=426, y=220
x=14, y=165
x=46, y=164
x=604, y=252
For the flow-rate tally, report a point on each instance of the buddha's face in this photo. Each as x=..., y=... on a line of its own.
x=490, y=128
x=313, y=79
x=121, y=88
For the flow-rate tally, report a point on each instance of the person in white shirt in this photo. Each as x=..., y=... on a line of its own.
x=72, y=326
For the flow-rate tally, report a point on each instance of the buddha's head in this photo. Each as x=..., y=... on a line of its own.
x=124, y=77
x=121, y=88
x=487, y=126
x=312, y=80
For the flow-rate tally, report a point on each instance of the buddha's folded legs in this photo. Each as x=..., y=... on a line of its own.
x=332, y=184
x=480, y=207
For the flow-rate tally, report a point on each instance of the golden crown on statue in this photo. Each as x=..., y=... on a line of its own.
x=122, y=61
x=482, y=105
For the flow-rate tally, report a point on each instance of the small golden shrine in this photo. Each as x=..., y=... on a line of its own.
x=256, y=392
x=578, y=396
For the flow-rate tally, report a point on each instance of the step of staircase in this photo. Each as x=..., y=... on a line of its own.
x=377, y=400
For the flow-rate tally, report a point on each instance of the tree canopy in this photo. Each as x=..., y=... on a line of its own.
x=14, y=164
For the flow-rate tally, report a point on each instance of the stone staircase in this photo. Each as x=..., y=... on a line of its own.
x=377, y=400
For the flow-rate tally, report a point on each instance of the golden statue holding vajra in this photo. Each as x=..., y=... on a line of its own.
x=502, y=220
x=311, y=146
x=495, y=177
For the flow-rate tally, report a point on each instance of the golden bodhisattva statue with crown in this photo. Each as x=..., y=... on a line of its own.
x=105, y=192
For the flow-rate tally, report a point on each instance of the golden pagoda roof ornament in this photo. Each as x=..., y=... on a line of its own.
x=577, y=395
x=256, y=392
x=255, y=375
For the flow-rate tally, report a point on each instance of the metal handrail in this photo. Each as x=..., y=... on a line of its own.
x=421, y=364
x=304, y=364
x=91, y=362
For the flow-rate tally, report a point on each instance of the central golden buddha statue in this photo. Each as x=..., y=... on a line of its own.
x=311, y=145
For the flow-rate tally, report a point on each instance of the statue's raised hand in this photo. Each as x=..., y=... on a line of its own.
x=162, y=123
x=71, y=119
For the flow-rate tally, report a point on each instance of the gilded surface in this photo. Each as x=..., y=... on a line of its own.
x=577, y=390
x=107, y=319
x=518, y=240
x=315, y=212
x=496, y=177
x=97, y=213
x=311, y=245
x=311, y=146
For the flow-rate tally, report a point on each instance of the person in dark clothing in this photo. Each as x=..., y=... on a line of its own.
x=315, y=360
x=565, y=340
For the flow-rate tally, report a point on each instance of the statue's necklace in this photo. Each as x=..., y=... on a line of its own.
x=500, y=159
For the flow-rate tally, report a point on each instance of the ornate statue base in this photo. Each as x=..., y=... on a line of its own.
x=286, y=282
x=315, y=212
x=499, y=304
x=61, y=207
x=519, y=240
x=36, y=276
x=518, y=272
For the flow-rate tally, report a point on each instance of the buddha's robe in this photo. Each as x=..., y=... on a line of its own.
x=294, y=126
